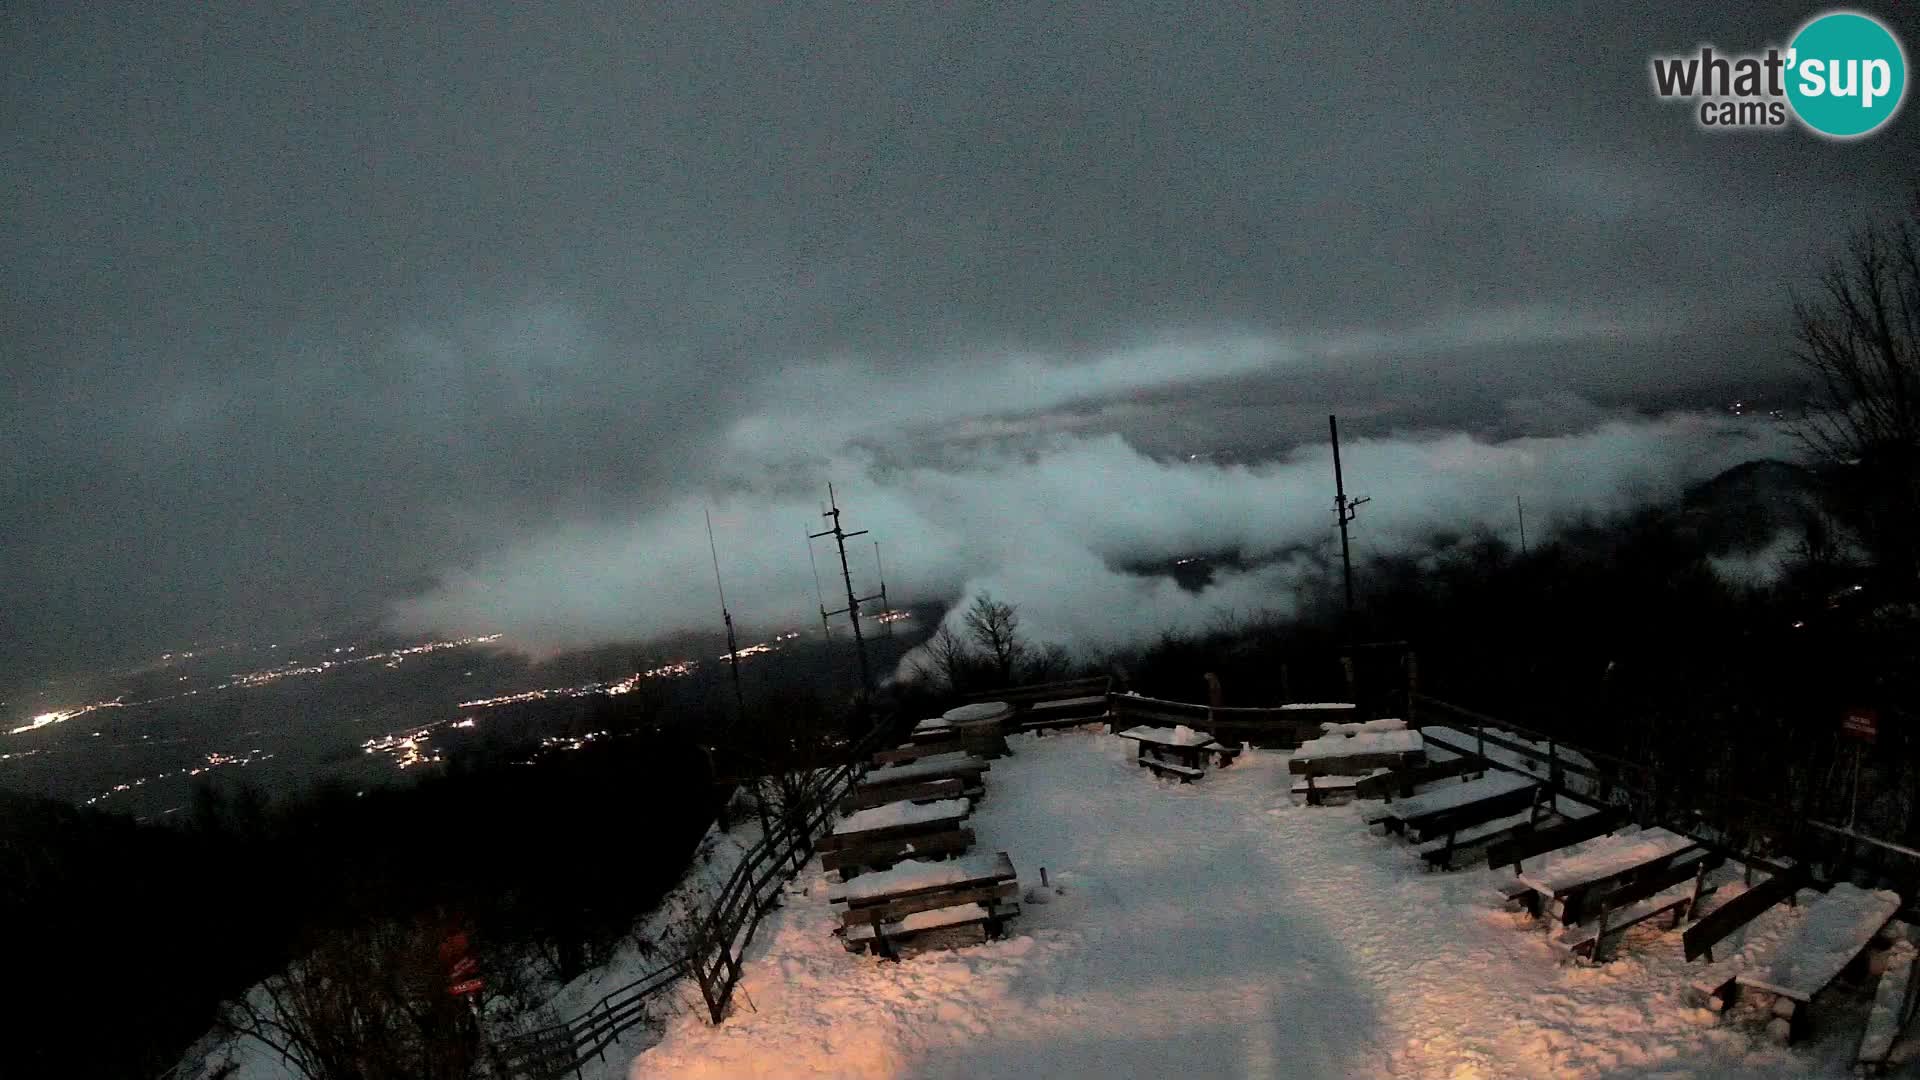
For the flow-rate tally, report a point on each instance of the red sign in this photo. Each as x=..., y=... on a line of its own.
x=467, y=966
x=1862, y=724
x=471, y=986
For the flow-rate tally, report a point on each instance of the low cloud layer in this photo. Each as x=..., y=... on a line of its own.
x=1052, y=527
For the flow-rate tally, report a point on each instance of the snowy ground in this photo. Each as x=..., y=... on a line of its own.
x=1217, y=930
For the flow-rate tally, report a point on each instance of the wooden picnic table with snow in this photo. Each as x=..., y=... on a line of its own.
x=915, y=876
x=901, y=815
x=1833, y=930
x=1163, y=736
x=954, y=763
x=1599, y=861
x=1362, y=745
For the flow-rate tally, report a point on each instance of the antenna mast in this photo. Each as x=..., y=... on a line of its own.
x=733, y=644
x=886, y=606
x=1344, y=509
x=825, y=627
x=852, y=610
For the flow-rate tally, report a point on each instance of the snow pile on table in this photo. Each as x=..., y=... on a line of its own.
x=1369, y=742
x=1217, y=930
x=1178, y=735
x=1451, y=794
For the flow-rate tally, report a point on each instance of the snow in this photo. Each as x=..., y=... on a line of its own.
x=896, y=814
x=1600, y=858
x=1371, y=742
x=1833, y=931
x=1068, y=703
x=1450, y=795
x=1319, y=705
x=932, y=723
x=1180, y=735
x=1217, y=930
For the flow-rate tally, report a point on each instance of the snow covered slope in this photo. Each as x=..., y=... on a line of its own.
x=1214, y=929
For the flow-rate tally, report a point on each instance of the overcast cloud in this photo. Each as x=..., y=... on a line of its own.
x=310, y=316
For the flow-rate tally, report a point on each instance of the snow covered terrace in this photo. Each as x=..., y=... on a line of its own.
x=1216, y=929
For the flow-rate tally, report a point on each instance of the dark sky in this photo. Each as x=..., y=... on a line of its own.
x=305, y=311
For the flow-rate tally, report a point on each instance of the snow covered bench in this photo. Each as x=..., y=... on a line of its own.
x=1316, y=788
x=874, y=908
x=1701, y=937
x=1451, y=807
x=1676, y=889
x=951, y=765
x=1516, y=850
x=938, y=928
x=1042, y=706
x=1893, y=1004
x=1833, y=933
x=924, y=791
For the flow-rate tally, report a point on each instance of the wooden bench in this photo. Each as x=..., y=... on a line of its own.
x=1516, y=850
x=1636, y=902
x=1186, y=774
x=1043, y=706
x=1399, y=783
x=1451, y=807
x=1833, y=934
x=1316, y=788
x=1440, y=853
x=1893, y=1005
x=925, y=791
x=854, y=859
x=1701, y=937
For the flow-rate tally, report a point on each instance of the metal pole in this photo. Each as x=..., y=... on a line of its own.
x=1520, y=508
x=852, y=610
x=733, y=644
x=1344, y=510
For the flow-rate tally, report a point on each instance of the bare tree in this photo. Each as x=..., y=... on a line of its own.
x=370, y=1003
x=995, y=628
x=1859, y=336
x=947, y=661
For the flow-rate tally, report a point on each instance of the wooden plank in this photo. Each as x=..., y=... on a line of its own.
x=1442, y=820
x=1515, y=851
x=1442, y=850
x=1701, y=937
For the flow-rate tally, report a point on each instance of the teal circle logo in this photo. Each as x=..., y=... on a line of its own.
x=1846, y=74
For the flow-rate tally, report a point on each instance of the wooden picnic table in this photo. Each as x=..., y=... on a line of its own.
x=916, y=897
x=881, y=836
x=1182, y=752
x=1561, y=884
x=953, y=764
x=1455, y=805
